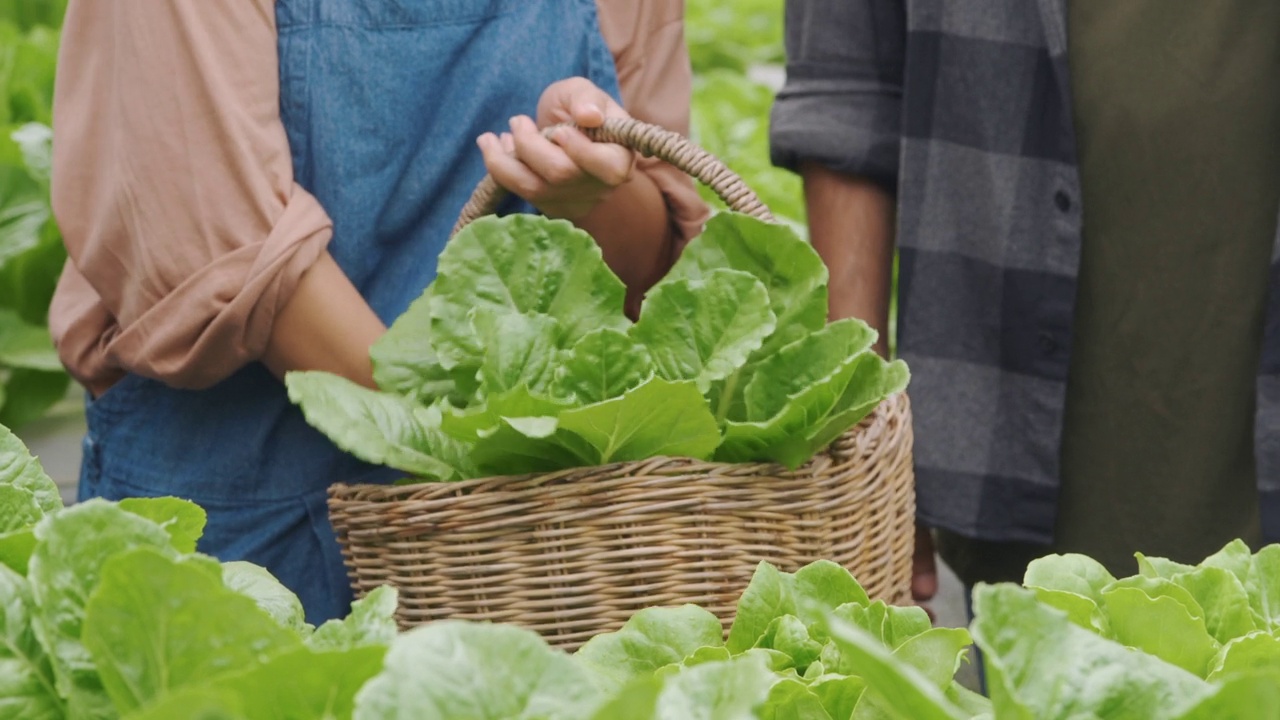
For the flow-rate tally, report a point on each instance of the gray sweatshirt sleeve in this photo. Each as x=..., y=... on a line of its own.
x=841, y=105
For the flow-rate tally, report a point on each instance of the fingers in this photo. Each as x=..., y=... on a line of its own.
x=586, y=113
x=548, y=160
x=577, y=100
x=610, y=164
x=506, y=168
x=564, y=159
x=566, y=177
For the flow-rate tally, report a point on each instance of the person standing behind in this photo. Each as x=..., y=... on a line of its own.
x=1084, y=196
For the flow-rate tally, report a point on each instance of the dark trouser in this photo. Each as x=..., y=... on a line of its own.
x=977, y=653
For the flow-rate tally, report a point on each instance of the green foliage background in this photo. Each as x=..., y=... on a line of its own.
x=31, y=252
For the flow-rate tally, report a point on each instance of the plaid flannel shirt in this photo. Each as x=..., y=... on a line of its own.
x=962, y=109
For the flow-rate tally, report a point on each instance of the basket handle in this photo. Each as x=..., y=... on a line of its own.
x=650, y=141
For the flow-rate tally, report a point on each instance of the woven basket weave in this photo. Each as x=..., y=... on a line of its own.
x=576, y=553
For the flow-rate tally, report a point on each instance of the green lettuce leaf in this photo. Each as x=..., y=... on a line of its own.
x=19, y=469
x=809, y=594
x=637, y=701
x=793, y=700
x=376, y=427
x=27, y=686
x=1223, y=599
x=795, y=394
x=893, y=686
x=792, y=272
x=769, y=596
x=1263, y=585
x=1160, y=618
x=16, y=548
x=476, y=672
x=1041, y=666
x=1252, y=696
x=704, y=329
x=523, y=264
x=658, y=418
x=23, y=345
x=155, y=624
x=371, y=623
x=936, y=653
x=72, y=549
x=405, y=362
x=182, y=519
x=520, y=350
x=603, y=365
x=513, y=433
x=1234, y=557
x=1255, y=651
x=826, y=356
x=197, y=703
x=296, y=685
x=1073, y=573
x=29, y=393
x=653, y=638
x=19, y=509
x=1072, y=583
x=789, y=635
x=1156, y=567
x=519, y=432
x=475, y=424
x=730, y=690
x=823, y=586
x=971, y=704
x=839, y=694
x=277, y=601
x=872, y=382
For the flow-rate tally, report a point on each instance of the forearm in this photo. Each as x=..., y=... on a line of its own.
x=851, y=225
x=326, y=325
x=634, y=231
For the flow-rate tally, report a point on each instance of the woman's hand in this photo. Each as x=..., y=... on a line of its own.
x=568, y=175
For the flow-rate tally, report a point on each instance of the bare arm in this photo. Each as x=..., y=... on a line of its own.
x=326, y=325
x=634, y=232
x=851, y=223
x=197, y=251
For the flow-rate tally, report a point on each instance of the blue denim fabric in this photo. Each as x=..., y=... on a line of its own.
x=382, y=101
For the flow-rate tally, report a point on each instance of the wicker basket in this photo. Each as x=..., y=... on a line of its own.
x=576, y=553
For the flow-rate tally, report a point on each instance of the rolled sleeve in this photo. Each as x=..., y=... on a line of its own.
x=173, y=186
x=841, y=104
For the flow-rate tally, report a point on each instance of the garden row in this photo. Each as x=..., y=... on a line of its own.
x=108, y=611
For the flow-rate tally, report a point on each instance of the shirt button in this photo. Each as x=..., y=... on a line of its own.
x=1046, y=343
x=1062, y=200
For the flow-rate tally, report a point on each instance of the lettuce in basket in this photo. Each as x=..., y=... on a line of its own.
x=519, y=358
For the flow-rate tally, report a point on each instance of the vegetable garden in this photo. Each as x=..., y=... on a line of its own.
x=108, y=611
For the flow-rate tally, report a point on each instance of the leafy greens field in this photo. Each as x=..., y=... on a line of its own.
x=107, y=611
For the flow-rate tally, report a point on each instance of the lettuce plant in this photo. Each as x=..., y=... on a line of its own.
x=519, y=358
x=107, y=611
x=1210, y=619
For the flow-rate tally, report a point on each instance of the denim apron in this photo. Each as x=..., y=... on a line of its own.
x=382, y=101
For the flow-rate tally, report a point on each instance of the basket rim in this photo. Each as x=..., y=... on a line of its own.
x=342, y=492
